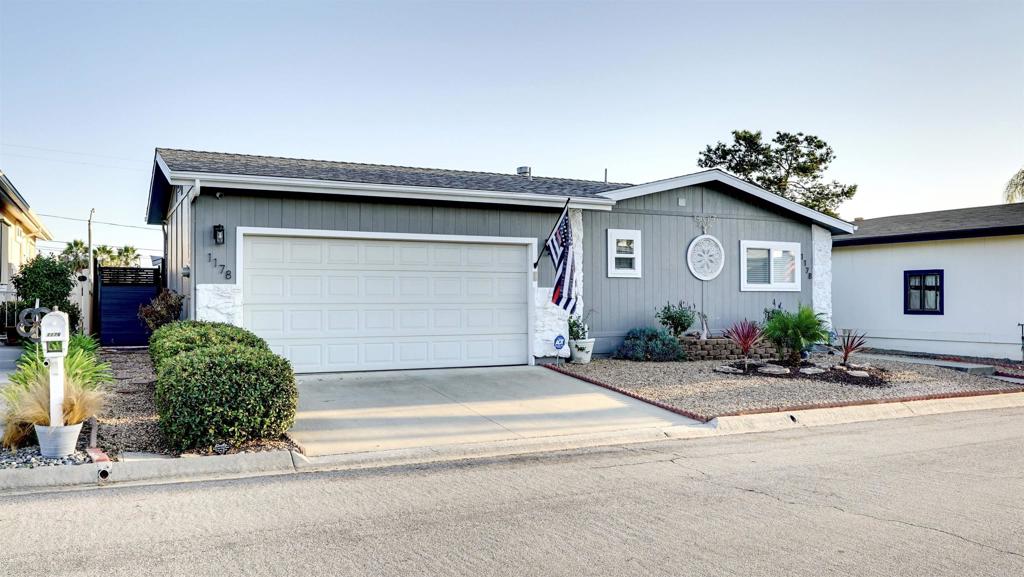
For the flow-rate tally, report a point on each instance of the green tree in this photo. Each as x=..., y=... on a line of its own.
x=127, y=256
x=76, y=254
x=1015, y=188
x=50, y=280
x=105, y=255
x=791, y=165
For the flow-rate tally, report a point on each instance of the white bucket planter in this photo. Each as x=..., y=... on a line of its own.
x=581, y=351
x=56, y=442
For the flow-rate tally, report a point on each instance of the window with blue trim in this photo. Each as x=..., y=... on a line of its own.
x=923, y=292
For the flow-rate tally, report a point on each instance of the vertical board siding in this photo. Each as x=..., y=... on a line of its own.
x=234, y=210
x=179, y=246
x=620, y=304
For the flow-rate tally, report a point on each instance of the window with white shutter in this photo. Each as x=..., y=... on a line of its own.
x=769, y=265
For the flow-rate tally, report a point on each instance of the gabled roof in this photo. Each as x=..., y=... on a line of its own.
x=273, y=166
x=978, y=221
x=835, y=225
x=220, y=170
x=28, y=219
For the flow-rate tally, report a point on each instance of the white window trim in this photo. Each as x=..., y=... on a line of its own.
x=615, y=234
x=772, y=286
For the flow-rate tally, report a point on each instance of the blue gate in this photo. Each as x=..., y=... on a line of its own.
x=119, y=292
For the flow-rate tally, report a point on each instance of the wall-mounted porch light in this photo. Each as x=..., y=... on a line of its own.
x=218, y=233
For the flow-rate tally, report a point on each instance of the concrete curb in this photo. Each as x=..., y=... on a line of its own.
x=764, y=422
x=156, y=470
x=290, y=462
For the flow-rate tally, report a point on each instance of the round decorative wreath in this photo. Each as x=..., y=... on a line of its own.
x=705, y=257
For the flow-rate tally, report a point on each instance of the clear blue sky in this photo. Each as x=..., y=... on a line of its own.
x=923, y=102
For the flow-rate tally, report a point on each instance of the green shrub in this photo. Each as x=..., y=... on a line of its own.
x=677, y=318
x=791, y=333
x=165, y=308
x=180, y=337
x=231, y=394
x=50, y=280
x=649, y=344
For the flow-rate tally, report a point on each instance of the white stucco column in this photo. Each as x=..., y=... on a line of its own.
x=220, y=303
x=821, y=272
x=549, y=319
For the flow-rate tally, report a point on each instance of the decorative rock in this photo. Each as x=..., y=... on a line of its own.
x=857, y=367
x=728, y=369
x=858, y=374
x=773, y=370
x=812, y=370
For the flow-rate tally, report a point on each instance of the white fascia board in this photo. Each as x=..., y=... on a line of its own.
x=383, y=190
x=832, y=223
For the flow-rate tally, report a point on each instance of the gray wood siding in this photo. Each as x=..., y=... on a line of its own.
x=179, y=247
x=620, y=304
x=352, y=214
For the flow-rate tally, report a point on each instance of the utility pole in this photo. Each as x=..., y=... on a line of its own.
x=92, y=211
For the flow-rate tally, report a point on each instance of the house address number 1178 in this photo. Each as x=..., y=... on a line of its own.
x=225, y=272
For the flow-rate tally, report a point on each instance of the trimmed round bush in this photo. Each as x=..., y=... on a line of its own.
x=225, y=394
x=180, y=337
x=648, y=344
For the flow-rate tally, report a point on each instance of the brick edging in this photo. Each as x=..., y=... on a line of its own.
x=836, y=405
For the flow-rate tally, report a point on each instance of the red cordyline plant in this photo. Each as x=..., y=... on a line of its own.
x=745, y=335
x=851, y=342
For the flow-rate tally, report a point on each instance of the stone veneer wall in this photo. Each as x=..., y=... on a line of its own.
x=721, y=349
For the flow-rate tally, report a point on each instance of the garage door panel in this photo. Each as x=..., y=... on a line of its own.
x=354, y=304
x=402, y=353
x=297, y=253
x=294, y=322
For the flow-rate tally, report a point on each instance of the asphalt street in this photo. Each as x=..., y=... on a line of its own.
x=929, y=496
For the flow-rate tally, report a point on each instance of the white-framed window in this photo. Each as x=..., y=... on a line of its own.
x=769, y=265
x=623, y=253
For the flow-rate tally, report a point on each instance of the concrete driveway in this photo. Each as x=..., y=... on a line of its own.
x=358, y=412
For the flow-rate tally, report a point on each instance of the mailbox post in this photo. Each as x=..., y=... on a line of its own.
x=54, y=334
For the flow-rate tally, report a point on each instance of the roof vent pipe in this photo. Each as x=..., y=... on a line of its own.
x=525, y=171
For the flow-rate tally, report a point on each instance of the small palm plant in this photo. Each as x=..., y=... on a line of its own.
x=745, y=335
x=851, y=342
x=791, y=333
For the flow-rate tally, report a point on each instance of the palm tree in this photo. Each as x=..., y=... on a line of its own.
x=104, y=255
x=1015, y=188
x=127, y=256
x=76, y=254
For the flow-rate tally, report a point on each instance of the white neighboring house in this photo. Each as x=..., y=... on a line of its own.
x=949, y=282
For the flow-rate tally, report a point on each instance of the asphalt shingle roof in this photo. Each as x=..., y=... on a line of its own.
x=272, y=166
x=964, y=222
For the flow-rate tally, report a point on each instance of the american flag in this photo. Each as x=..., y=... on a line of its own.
x=560, y=248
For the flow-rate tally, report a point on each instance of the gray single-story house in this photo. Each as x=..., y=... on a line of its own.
x=350, y=267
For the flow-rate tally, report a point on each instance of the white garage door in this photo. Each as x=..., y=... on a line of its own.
x=330, y=304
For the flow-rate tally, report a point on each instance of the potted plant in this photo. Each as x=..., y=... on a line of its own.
x=581, y=347
x=27, y=398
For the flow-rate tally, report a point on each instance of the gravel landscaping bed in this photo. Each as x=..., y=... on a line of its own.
x=29, y=458
x=695, y=387
x=129, y=422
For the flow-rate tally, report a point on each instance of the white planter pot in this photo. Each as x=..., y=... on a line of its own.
x=581, y=351
x=56, y=442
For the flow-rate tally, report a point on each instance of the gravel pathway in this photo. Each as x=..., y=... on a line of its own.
x=695, y=387
x=129, y=421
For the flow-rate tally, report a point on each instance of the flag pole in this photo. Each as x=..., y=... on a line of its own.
x=559, y=219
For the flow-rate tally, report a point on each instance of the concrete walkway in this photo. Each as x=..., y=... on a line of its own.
x=359, y=412
x=971, y=368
